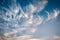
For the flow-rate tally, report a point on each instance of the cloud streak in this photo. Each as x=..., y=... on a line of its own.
x=52, y=15
x=28, y=37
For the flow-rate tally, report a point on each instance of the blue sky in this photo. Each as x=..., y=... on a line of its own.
x=30, y=19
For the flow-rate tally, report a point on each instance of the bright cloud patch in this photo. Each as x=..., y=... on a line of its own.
x=28, y=37
x=53, y=15
x=21, y=25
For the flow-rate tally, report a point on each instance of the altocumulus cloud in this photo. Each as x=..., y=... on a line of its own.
x=26, y=22
x=53, y=15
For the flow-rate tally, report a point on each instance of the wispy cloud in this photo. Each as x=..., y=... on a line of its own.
x=30, y=38
x=53, y=15
x=26, y=21
x=37, y=6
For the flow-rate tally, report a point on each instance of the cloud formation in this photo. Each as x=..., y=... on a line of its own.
x=30, y=38
x=53, y=15
x=20, y=21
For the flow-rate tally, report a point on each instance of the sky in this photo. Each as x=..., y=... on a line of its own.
x=30, y=19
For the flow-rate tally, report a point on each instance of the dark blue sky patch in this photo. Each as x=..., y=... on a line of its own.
x=23, y=2
x=52, y=4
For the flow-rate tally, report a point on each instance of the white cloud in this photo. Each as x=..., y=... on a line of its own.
x=23, y=37
x=56, y=37
x=30, y=22
x=30, y=38
x=27, y=19
x=33, y=30
x=53, y=15
x=30, y=8
x=37, y=6
x=41, y=5
x=38, y=20
x=14, y=31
